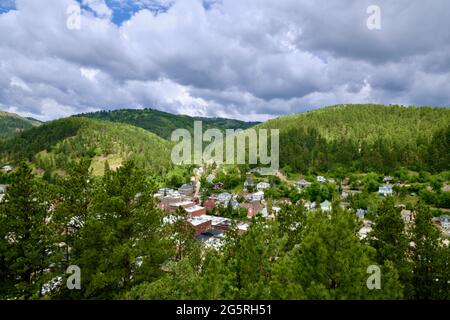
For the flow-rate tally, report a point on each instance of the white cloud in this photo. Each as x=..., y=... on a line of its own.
x=17, y=82
x=242, y=59
x=89, y=74
x=99, y=7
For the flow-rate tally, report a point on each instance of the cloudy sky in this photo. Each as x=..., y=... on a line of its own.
x=249, y=60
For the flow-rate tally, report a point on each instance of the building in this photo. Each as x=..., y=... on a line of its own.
x=445, y=221
x=364, y=231
x=200, y=224
x=361, y=213
x=407, y=215
x=209, y=204
x=252, y=208
x=186, y=189
x=7, y=168
x=321, y=179
x=171, y=207
x=218, y=186
x=2, y=189
x=196, y=211
x=169, y=198
x=248, y=183
x=310, y=205
x=242, y=228
x=325, y=206
x=345, y=182
x=303, y=184
x=234, y=204
x=385, y=191
x=347, y=193
x=262, y=186
x=257, y=196
x=224, y=198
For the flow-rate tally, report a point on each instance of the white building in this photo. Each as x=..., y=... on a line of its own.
x=258, y=196
x=321, y=179
x=385, y=191
x=445, y=221
x=223, y=198
x=325, y=206
x=262, y=186
x=302, y=184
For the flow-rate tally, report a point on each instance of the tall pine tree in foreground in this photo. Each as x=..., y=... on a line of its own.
x=389, y=237
x=28, y=243
x=121, y=243
x=429, y=257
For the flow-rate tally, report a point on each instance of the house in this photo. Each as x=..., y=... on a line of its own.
x=242, y=228
x=171, y=207
x=321, y=179
x=252, y=208
x=234, y=204
x=166, y=201
x=361, y=213
x=209, y=204
x=364, y=231
x=257, y=196
x=345, y=182
x=196, y=211
x=385, y=191
x=265, y=212
x=310, y=205
x=224, y=198
x=407, y=215
x=248, y=183
x=7, y=168
x=445, y=221
x=262, y=186
x=303, y=184
x=218, y=186
x=325, y=206
x=347, y=193
x=186, y=189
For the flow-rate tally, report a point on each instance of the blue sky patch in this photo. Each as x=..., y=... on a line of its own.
x=7, y=5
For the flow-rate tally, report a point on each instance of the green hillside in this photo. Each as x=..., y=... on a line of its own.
x=12, y=124
x=54, y=146
x=365, y=137
x=162, y=123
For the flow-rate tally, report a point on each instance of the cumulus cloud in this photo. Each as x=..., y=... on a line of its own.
x=242, y=59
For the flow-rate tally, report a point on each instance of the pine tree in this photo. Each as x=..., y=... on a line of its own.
x=331, y=262
x=430, y=271
x=390, y=240
x=121, y=243
x=28, y=241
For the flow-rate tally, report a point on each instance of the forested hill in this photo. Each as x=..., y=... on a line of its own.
x=12, y=124
x=52, y=147
x=163, y=123
x=365, y=137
